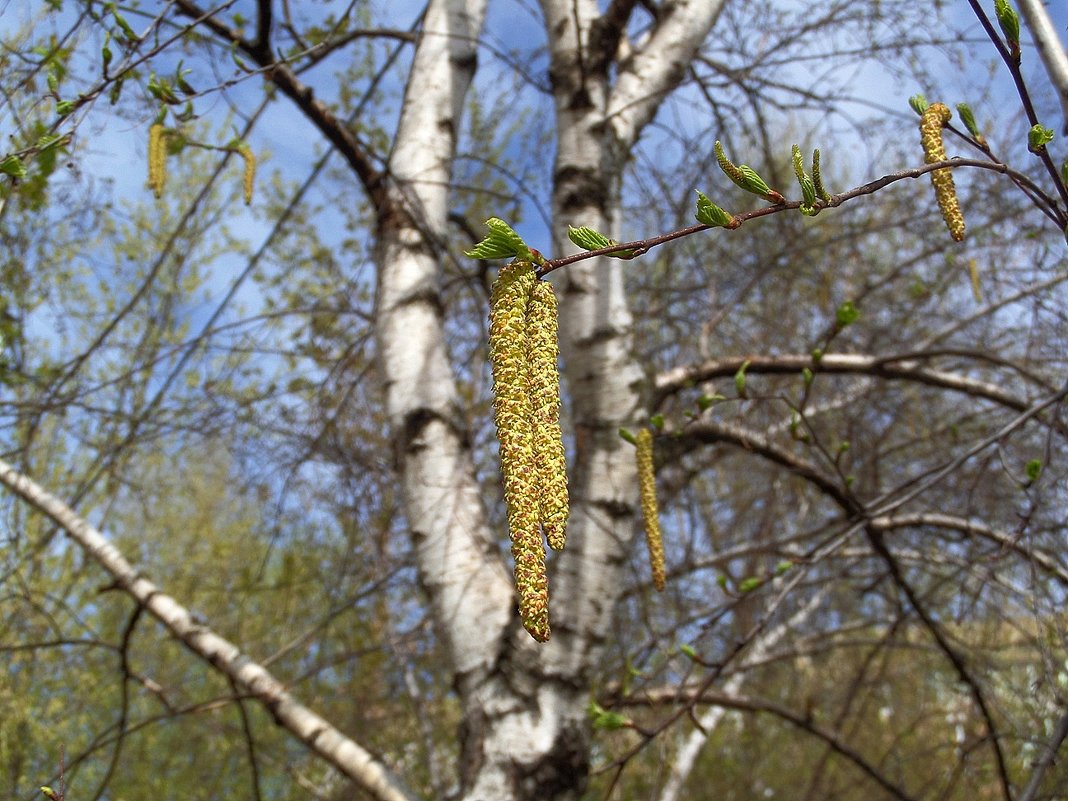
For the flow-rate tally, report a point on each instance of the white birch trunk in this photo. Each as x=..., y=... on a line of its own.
x=525, y=733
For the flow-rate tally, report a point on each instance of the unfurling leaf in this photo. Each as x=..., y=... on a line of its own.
x=918, y=103
x=846, y=314
x=1010, y=24
x=628, y=436
x=739, y=379
x=601, y=718
x=817, y=177
x=968, y=118
x=1033, y=470
x=501, y=243
x=1039, y=136
x=808, y=188
x=708, y=213
x=746, y=177
x=588, y=239
x=749, y=584
x=12, y=165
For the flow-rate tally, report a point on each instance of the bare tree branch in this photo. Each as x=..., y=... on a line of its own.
x=314, y=731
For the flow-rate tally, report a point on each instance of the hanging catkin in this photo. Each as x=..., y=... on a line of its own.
x=157, y=158
x=647, y=487
x=249, y=176
x=512, y=412
x=931, y=121
x=542, y=350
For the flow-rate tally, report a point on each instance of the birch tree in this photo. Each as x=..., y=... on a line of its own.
x=779, y=468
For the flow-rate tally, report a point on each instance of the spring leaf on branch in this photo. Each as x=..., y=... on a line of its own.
x=746, y=177
x=847, y=314
x=808, y=188
x=588, y=239
x=502, y=242
x=1010, y=24
x=12, y=165
x=919, y=104
x=1038, y=137
x=708, y=213
x=968, y=118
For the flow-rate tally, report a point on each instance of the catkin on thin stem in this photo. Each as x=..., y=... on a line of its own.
x=512, y=415
x=931, y=121
x=249, y=177
x=157, y=158
x=542, y=352
x=647, y=487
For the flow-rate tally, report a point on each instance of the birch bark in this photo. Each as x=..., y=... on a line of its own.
x=533, y=740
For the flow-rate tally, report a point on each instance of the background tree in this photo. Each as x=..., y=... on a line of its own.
x=283, y=415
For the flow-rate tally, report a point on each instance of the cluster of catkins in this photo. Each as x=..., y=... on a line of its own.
x=526, y=406
x=933, y=118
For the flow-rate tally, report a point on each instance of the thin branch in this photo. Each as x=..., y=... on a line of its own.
x=1050, y=49
x=1049, y=756
x=643, y=246
x=751, y=704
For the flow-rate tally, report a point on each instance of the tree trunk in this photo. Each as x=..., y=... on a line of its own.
x=524, y=733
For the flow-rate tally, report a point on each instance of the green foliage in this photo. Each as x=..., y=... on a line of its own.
x=918, y=103
x=740, y=380
x=502, y=243
x=745, y=176
x=708, y=213
x=601, y=718
x=846, y=314
x=1033, y=470
x=588, y=239
x=1010, y=23
x=1038, y=137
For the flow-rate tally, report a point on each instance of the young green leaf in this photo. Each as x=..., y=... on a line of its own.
x=750, y=584
x=12, y=165
x=501, y=243
x=588, y=239
x=746, y=177
x=817, y=178
x=688, y=650
x=1010, y=24
x=739, y=379
x=918, y=103
x=1033, y=470
x=967, y=116
x=847, y=314
x=1039, y=136
x=708, y=213
x=628, y=436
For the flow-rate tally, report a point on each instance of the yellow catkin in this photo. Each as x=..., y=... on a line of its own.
x=157, y=158
x=544, y=376
x=250, y=171
x=512, y=415
x=934, y=150
x=647, y=486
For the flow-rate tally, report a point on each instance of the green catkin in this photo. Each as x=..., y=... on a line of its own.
x=512, y=415
x=931, y=122
x=542, y=351
x=249, y=178
x=157, y=158
x=647, y=487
